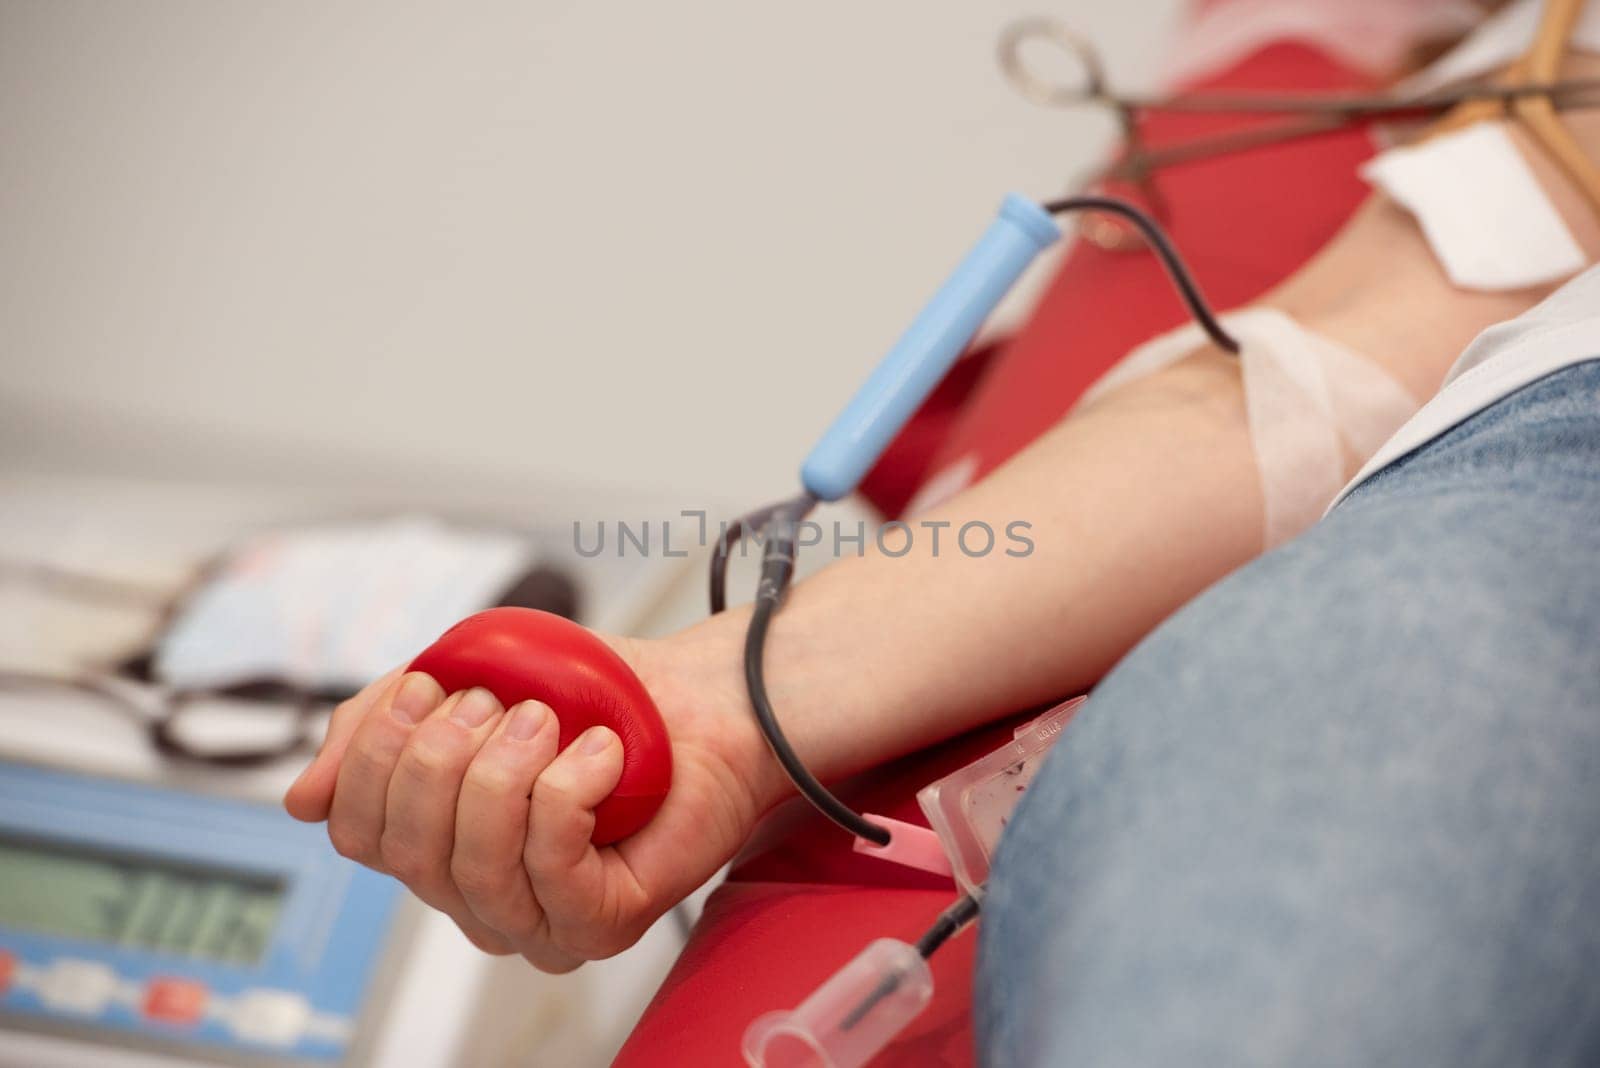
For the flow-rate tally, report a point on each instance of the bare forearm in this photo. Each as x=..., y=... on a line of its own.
x=1134, y=505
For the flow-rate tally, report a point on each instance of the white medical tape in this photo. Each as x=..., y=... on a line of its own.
x=1315, y=409
x=1488, y=220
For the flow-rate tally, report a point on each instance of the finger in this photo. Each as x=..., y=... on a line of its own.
x=419, y=819
x=568, y=874
x=492, y=822
x=311, y=794
x=487, y=941
x=356, y=815
x=492, y=828
x=419, y=826
x=544, y=956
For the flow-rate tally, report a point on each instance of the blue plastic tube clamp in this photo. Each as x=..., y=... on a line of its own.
x=923, y=355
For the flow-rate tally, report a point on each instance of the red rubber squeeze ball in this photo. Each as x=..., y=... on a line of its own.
x=521, y=654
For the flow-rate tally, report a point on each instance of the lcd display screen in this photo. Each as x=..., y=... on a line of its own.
x=157, y=906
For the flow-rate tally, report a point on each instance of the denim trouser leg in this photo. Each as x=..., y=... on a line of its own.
x=1344, y=808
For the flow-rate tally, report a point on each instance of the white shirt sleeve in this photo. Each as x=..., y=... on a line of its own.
x=1562, y=330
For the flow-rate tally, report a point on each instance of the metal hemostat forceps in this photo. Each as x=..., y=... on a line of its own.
x=1528, y=92
x=860, y=1009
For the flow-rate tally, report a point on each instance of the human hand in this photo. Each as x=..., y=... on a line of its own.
x=471, y=806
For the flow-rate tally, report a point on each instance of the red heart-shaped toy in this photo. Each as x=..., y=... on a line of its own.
x=521, y=654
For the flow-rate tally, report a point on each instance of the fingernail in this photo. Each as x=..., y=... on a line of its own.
x=417, y=696
x=595, y=741
x=474, y=707
x=526, y=720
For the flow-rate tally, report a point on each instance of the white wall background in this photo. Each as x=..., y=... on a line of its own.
x=520, y=242
x=409, y=247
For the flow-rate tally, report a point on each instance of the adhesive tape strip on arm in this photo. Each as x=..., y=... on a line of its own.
x=1315, y=409
x=1484, y=214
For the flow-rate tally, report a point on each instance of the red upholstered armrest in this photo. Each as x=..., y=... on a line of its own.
x=768, y=945
x=797, y=905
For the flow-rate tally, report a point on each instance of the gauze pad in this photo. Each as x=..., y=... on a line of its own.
x=1487, y=219
x=1315, y=409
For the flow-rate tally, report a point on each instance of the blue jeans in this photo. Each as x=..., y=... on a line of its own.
x=1344, y=807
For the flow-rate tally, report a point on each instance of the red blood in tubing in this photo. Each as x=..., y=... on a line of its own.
x=521, y=654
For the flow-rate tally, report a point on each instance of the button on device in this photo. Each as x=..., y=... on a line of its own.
x=77, y=986
x=271, y=1017
x=174, y=1000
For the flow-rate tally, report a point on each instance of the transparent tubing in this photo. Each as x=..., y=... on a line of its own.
x=848, y=1019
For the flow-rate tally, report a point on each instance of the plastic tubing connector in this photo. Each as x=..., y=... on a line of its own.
x=923, y=355
x=848, y=1019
